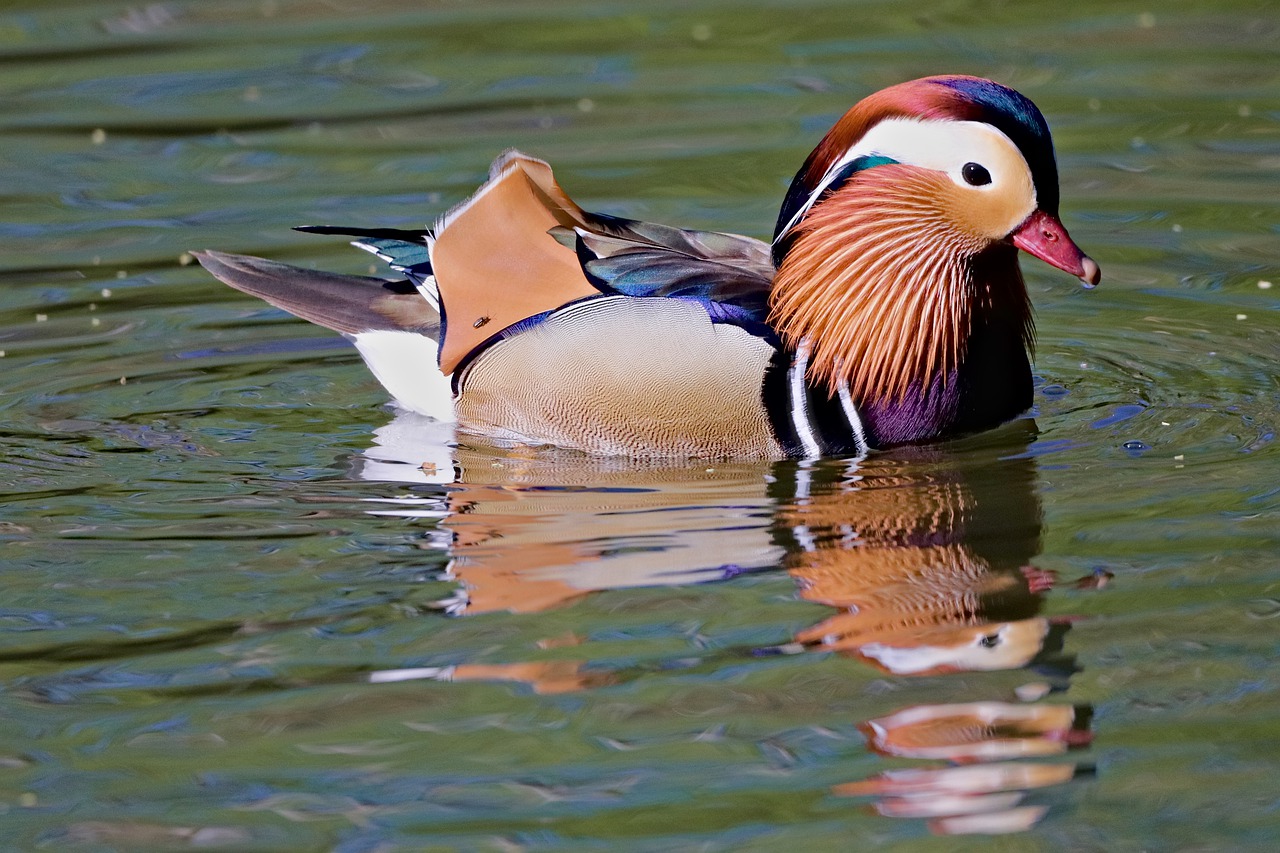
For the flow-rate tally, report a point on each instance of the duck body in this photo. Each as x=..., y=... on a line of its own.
x=889, y=309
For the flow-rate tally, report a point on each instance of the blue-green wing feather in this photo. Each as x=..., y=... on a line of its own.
x=403, y=250
x=646, y=259
x=728, y=273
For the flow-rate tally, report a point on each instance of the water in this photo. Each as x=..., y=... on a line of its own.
x=242, y=610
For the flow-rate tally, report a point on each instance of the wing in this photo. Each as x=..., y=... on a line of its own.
x=729, y=273
x=494, y=261
x=520, y=248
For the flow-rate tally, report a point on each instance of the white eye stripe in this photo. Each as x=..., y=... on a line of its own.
x=942, y=145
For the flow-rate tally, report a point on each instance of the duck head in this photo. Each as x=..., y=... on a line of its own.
x=897, y=241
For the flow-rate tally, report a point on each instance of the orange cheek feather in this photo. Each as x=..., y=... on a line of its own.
x=879, y=282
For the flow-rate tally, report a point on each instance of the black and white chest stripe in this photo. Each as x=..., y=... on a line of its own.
x=807, y=421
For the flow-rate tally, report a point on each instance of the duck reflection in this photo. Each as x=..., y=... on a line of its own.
x=532, y=531
x=924, y=555
x=983, y=788
x=928, y=563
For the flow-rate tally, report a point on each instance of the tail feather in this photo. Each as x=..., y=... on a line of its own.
x=408, y=252
x=349, y=304
x=402, y=234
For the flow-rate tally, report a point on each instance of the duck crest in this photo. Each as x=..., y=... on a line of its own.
x=887, y=292
x=954, y=97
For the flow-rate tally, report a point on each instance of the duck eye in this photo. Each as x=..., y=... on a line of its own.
x=990, y=641
x=975, y=175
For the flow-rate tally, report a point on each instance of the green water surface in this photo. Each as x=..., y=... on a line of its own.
x=238, y=612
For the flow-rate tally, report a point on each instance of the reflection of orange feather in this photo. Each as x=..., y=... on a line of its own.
x=888, y=505
x=979, y=779
x=945, y=581
x=539, y=533
x=496, y=553
x=920, y=610
x=975, y=731
x=514, y=588
x=891, y=551
x=885, y=569
x=546, y=677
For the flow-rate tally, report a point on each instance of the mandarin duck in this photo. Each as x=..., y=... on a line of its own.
x=889, y=308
